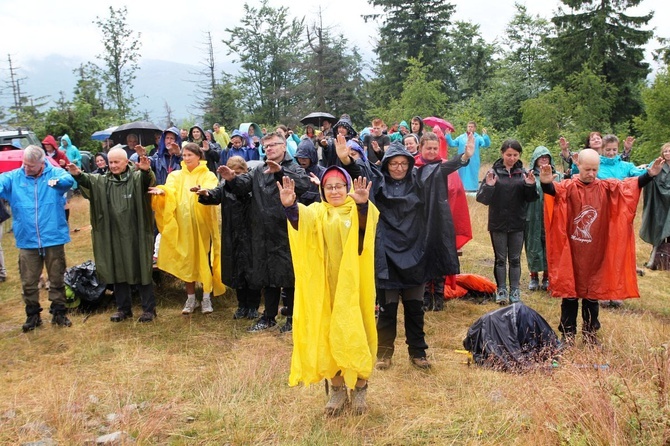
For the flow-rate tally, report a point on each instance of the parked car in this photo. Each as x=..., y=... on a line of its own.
x=11, y=139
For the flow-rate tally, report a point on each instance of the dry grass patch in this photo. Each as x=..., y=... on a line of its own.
x=203, y=380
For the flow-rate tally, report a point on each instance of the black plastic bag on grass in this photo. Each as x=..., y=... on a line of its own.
x=513, y=338
x=84, y=282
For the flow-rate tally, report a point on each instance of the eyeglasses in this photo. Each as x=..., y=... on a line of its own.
x=274, y=144
x=334, y=187
x=401, y=164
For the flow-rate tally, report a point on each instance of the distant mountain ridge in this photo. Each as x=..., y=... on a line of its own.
x=157, y=81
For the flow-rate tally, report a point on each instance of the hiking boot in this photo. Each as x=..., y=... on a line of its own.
x=534, y=283
x=253, y=313
x=207, y=305
x=616, y=303
x=338, y=399
x=240, y=313
x=545, y=284
x=120, y=316
x=261, y=325
x=383, y=363
x=604, y=303
x=515, y=295
x=420, y=363
x=438, y=305
x=501, y=296
x=190, y=305
x=283, y=311
x=287, y=327
x=147, y=316
x=32, y=322
x=358, y=404
x=61, y=320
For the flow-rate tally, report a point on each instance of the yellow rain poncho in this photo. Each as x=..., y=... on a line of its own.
x=334, y=311
x=190, y=239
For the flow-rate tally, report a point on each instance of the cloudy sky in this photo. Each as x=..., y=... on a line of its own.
x=172, y=29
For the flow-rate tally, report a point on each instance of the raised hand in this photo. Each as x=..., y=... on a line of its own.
x=273, y=167
x=155, y=191
x=73, y=169
x=144, y=163
x=205, y=145
x=563, y=143
x=655, y=167
x=286, y=191
x=546, y=175
x=361, y=191
x=226, y=172
x=530, y=177
x=314, y=179
x=140, y=150
x=491, y=178
x=174, y=148
x=342, y=150
x=628, y=143
x=375, y=147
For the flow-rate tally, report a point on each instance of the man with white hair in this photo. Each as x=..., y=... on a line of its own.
x=122, y=229
x=35, y=193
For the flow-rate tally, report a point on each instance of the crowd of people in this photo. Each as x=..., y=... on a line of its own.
x=341, y=227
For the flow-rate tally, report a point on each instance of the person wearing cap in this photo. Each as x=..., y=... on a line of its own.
x=332, y=246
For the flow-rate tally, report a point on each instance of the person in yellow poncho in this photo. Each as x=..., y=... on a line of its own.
x=334, y=333
x=190, y=242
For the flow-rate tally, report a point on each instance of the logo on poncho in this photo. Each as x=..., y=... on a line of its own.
x=583, y=224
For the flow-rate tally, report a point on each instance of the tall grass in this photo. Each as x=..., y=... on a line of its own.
x=204, y=380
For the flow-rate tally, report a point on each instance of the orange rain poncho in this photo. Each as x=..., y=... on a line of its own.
x=190, y=239
x=590, y=239
x=334, y=311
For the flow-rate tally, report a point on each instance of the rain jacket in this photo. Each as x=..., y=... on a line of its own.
x=221, y=137
x=306, y=149
x=271, y=256
x=412, y=247
x=162, y=162
x=334, y=311
x=58, y=154
x=508, y=199
x=38, y=209
x=617, y=168
x=590, y=237
x=212, y=155
x=458, y=204
x=655, y=221
x=470, y=175
x=245, y=151
x=534, y=235
x=236, y=263
x=190, y=243
x=71, y=151
x=122, y=224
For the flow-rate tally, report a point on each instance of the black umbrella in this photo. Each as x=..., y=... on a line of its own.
x=144, y=130
x=317, y=118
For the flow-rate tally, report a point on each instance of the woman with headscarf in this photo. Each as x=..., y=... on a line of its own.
x=332, y=245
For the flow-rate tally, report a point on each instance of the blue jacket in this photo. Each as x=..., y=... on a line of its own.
x=617, y=168
x=38, y=209
x=162, y=162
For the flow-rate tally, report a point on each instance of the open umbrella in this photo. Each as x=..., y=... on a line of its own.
x=144, y=130
x=435, y=121
x=102, y=135
x=317, y=118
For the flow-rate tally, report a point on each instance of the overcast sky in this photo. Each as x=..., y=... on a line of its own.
x=171, y=29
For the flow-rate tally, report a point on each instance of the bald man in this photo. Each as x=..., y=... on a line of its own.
x=590, y=241
x=122, y=232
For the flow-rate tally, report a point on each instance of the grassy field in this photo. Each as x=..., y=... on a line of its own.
x=203, y=380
